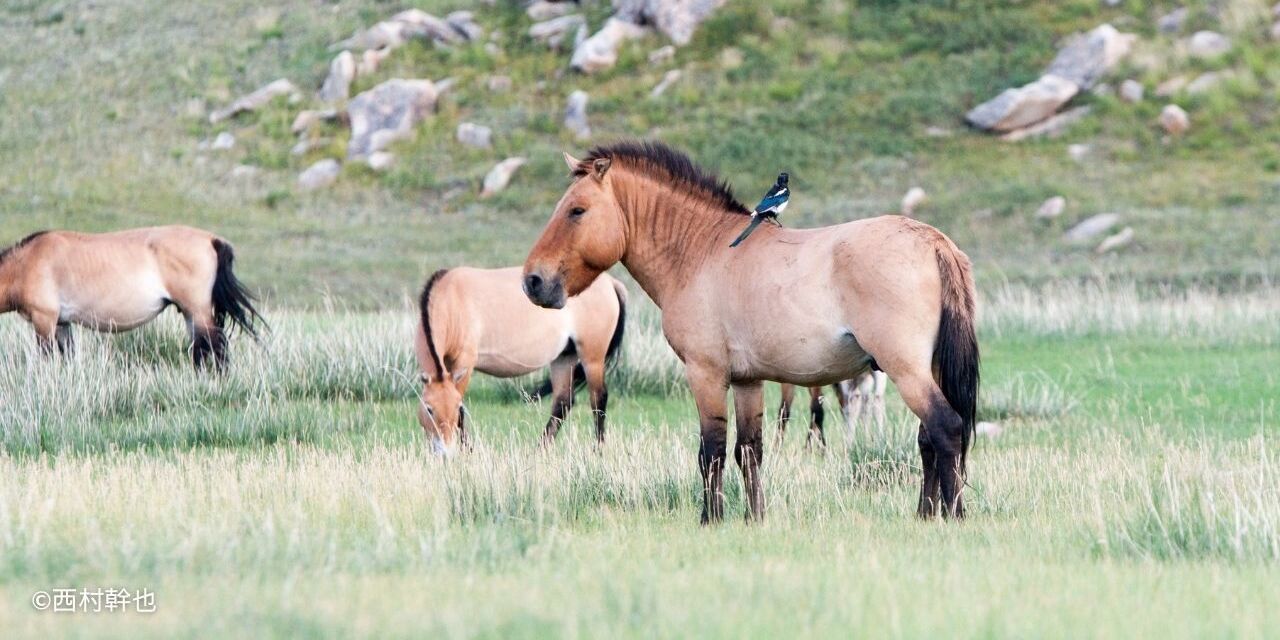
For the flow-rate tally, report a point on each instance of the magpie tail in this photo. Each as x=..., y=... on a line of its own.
x=755, y=222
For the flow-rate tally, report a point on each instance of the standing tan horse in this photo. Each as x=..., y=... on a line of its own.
x=809, y=307
x=115, y=282
x=861, y=400
x=478, y=320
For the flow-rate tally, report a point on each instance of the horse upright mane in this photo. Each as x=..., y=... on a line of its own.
x=675, y=167
x=5, y=253
x=424, y=303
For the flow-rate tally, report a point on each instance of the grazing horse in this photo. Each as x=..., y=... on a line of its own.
x=803, y=306
x=478, y=320
x=115, y=282
x=860, y=399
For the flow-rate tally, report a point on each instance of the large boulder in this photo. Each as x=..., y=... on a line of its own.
x=500, y=176
x=1091, y=227
x=456, y=28
x=543, y=10
x=1208, y=44
x=1051, y=127
x=475, y=135
x=1088, y=57
x=600, y=51
x=337, y=85
x=557, y=32
x=319, y=175
x=255, y=100
x=676, y=19
x=388, y=112
x=1023, y=106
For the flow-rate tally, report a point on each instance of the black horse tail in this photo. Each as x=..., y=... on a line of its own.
x=955, y=354
x=610, y=355
x=231, y=300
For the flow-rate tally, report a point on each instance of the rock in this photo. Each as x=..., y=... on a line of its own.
x=987, y=429
x=914, y=197
x=1172, y=22
x=310, y=118
x=500, y=176
x=243, y=172
x=669, y=79
x=475, y=135
x=464, y=23
x=1088, y=57
x=1115, y=241
x=337, y=86
x=555, y=32
x=1052, y=127
x=1079, y=152
x=381, y=160
x=676, y=19
x=1131, y=91
x=662, y=55
x=307, y=144
x=1091, y=226
x=319, y=175
x=223, y=141
x=1206, y=82
x=498, y=84
x=575, y=115
x=600, y=51
x=370, y=60
x=1017, y=108
x=255, y=100
x=1275, y=11
x=1102, y=90
x=1174, y=120
x=543, y=10
x=1275, y=31
x=456, y=28
x=1170, y=86
x=388, y=112
x=731, y=58
x=1052, y=208
x=1208, y=44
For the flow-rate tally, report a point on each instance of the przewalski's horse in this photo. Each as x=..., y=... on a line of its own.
x=115, y=282
x=809, y=307
x=861, y=400
x=478, y=320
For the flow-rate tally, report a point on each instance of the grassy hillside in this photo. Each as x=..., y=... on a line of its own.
x=97, y=133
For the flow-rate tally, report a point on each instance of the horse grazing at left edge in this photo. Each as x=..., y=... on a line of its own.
x=115, y=282
x=802, y=306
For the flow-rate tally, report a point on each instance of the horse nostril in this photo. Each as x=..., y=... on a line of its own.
x=532, y=284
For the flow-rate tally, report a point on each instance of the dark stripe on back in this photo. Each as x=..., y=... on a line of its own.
x=424, y=303
x=20, y=244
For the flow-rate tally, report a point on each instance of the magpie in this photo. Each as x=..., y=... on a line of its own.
x=770, y=206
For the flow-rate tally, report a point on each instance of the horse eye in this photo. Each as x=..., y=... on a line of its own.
x=576, y=212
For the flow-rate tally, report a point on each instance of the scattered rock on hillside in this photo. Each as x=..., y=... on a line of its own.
x=310, y=118
x=556, y=32
x=1086, y=58
x=1079, y=152
x=255, y=100
x=381, y=160
x=337, y=86
x=575, y=115
x=1275, y=31
x=456, y=28
x=464, y=22
x=319, y=175
x=475, y=135
x=1131, y=91
x=307, y=144
x=1091, y=227
x=662, y=55
x=670, y=78
x=370, y=60
x=600, y=51
x=1171, y=86
x=676, y=19
x=223, y=141
x=1174, y=120
x=1172, y=22
x=1208, y=44
x=1206, y=82
x=388, y=112
x=1052, y=208
x=500, y=176
x=914, y=197
x=1017, y=108
x=543, y=10
x=1115, y=241
x=1052, y=127
x=498, y=84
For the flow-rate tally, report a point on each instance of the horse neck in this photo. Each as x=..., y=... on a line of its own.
x=670, y=233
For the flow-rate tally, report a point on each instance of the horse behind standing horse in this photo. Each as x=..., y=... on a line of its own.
x=804, y=306
x=861, y=399
x=114, y=282
x=478, y=320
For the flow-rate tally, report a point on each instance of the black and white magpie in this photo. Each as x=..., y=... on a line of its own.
x=770, y=206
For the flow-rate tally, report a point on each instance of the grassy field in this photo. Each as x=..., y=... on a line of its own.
x=1133, y=492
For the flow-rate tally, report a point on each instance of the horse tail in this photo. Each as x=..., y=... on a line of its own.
x=231, y=300
x=610, y=354
x=955, y=355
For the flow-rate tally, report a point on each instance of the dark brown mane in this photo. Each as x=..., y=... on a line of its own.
x=424, y=303
x=672, y=165
x=20, y=244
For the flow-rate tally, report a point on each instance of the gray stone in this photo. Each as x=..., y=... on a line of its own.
x=1050, y=127
x=500, y=176
x=1091, y=227
x=223, y=141
x=337, y=86
x=1052, y=208
x=310, y=118
x=464, y=23
x=543, y=10
x=456, y=28
x=1115, y=241
x=1172, y=22
x=475, y=135
x=1131, y=91
x=600, y=51
x=1086, y=58
x=255, y=100
x=914, y=197
x=370, y=60
x=1017, y=108
x=1174, y=120
x=1171, y=86
x=662, y=55
x=381, y=160
x=1206, y=82
x=575, y=115
x=388, y=112
x=1275, y=31
x=307, y=144
x=319, y=175
x=1079, y=152
x=676, y=19
x=670, y=78
x=556, y=32
x=1208, y=44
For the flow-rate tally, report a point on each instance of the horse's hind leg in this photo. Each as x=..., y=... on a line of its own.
x=45, y=324
x=817, y=415
x=748, y=402
x=599, y=394
x=561, y=393
x=208, y=341
x=784, y=411
x=941, y=444
x=66, y=343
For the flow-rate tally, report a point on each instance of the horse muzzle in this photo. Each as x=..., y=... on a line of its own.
x=543, y=291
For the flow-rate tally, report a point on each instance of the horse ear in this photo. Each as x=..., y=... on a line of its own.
x=571, y=161
x=459, y=375
x=600, y=167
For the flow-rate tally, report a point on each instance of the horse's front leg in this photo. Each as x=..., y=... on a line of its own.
x=748, y=405
x=709, y=388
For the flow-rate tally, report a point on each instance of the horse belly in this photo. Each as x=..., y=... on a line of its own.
x=521, y=350
x=117, y=308
x=816, y=356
